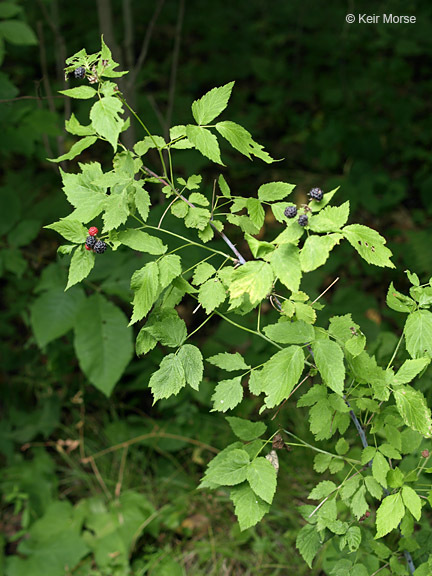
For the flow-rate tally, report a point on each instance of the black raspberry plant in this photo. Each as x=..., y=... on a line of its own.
x=376, y=416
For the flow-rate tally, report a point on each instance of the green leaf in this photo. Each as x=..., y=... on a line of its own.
x=224, y=188
x=418, y=334
x=169, y=269
x=211, y=294
x=292, y=233
x=285, y=262
x=80, y=267
x=74, y=127
x=280, y=374
x=142, y=201
x=414, y=410
x=322, y=462
x=179, y=132
x=211, y=104
x=410, y=369
x=8, y=10
x=359, y=505
x=399, y=302
x=231, y=469
x=75, y=149
x=290, y=332
x=249, y=507
x=329, y=360
x=105, y=118
x=347, y=332
x=203, y=272
x=342, y=446
x=205, y=142
x=18, y=33
x=369, y=244
x=331, y=219
x=145, y=283
x=179, y=209
x=258, y=248
x=192, y=362
x=241, y=140
x=141, y=241
x=245, y=429
x=262, y=478
x=273, y=191
x=349, y=488
x=308, y=543
x=353, y=539
x=253, y=278
x=72, y=230
x=216, y=462
x=256, y=212
x=322, y=490
x=229, y=362
x=164, y=326
x=412, y=501
x=197, y=198
x=116, y=211
x=316, y=251
x=413, y=278
x=373, y=487
x=389, y=514
x=197, y=218
x=169, y=379
x=380, y=468
x=143, y=146
x=89, y=200
x=368, y=454
x=80, y=92
x=53, y=314
x=103, y=342
x=227, y=394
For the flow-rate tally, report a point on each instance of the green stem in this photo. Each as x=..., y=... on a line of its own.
x=248, y=330
x=395, y=351
x=200, y=326
x=151, y=136
x=191, y=242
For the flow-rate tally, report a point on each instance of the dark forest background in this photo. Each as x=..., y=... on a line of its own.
x=342, y=104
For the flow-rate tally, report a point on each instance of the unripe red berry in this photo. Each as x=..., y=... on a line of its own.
x=93, y=231
x=88, y=247
x=425, y=453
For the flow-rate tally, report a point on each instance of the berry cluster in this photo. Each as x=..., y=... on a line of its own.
x=79, y=73
x=291, y=211
x=92, y=243
x=316, y=194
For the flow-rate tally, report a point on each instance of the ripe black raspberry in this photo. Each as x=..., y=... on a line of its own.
x=316, y=194
x=100, y=247
x=303, y=220
x=79, y=73
x=91, y=241
x=290, y=211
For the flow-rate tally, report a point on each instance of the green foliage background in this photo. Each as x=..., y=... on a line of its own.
x=343, y=105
